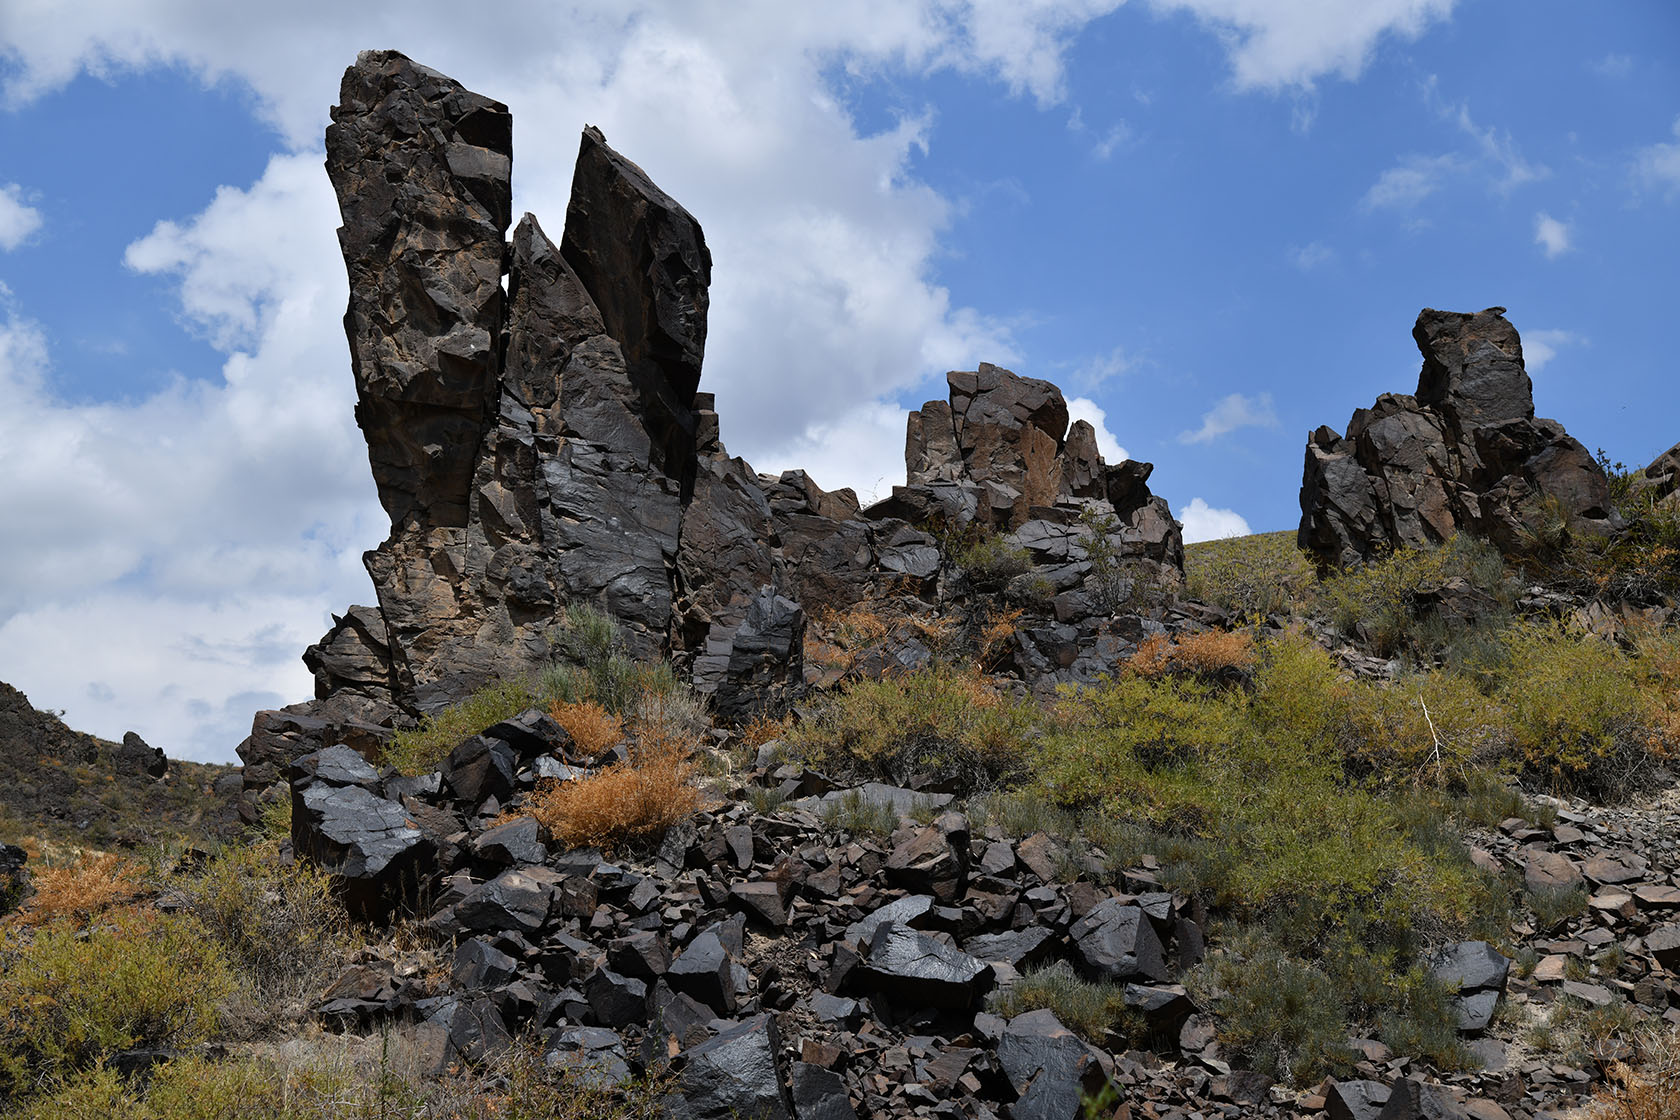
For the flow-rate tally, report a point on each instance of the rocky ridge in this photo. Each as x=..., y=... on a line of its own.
x=1465, y=452
x=549, y=445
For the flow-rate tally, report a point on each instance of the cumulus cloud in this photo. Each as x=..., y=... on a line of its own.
x=168, y=557
x=1657, y=167
x=1409, y=182
x=1551, y=235
x=18, y=219
x=1276, y=45
x=1540, y=347
x=1083, y=408
x=1203, y=522
x=1229, y=414
x=863, y=449
x=1310, y=256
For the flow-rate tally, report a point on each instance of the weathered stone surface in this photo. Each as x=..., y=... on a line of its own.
x=912, y=968
x=1048, y=1065
x=368, y=844
x=735, y=1075
x=1116, y=942
x=1356, y=1100
x=1419, y=1100
x=1465, y=452
x=819, y=1094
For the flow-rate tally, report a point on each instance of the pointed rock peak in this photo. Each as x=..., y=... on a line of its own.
x=644, y=260
x=1473, y=367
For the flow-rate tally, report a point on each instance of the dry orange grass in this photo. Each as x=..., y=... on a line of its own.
x=1650, y=1091
x=999, y=628
x=624, y=803
x=91, y=882
x=1202, y=655
x=761, y=729
x=591, y=726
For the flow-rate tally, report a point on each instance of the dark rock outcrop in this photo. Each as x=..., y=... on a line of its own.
x=1465, y=452
x=549, y=445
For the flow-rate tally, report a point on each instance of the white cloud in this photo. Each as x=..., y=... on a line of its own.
x=1112, y=364
x=1229, y=414
x=168, y=557
x=1612, y=66
x=1309, y=256
x=1540, y=347
x=1203, y=522
x=1083, y=408
x=1657, y=167
x=1408, y=182
x=18, y=219
x=863, y=449
x=1277, y=44
x=1551, y=235
x=1498, y=152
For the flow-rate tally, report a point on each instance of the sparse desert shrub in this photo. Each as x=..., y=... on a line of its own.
x=135, y=977
x=1574, y=709
x=1209, y=654
x=81, y=887
x=1262, y=574
x=423, y=749
x=1283, y=1015
x=281, y=925
x=591, y=726
x=1553, y=906
x=993, y=560
x=940, y=721
x=1648, y=1088
x=626, y=803
x=1423, y=1020
x=1422, y=728
x=1090, y=1008
x=1379, y=599
x=853, y=812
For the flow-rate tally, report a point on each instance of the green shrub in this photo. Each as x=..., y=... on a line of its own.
x=938, y=721
x=1261, y=574
x=1574, y=709
x=1282, y=1015
x=282, y=926
x=423, y=749
x=1089, y=1008
x=134, y=978
x=1423, y=1021
x=992, y=560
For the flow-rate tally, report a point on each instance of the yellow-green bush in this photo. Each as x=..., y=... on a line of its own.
x=1265, y=573
x=422, y=749
x=940, y=721
x=136, y=977
x=1423, y=728
x=1574, y=708
x=992, y=559
x=281, y=926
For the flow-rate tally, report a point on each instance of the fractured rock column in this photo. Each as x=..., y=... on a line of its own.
x=422, y=171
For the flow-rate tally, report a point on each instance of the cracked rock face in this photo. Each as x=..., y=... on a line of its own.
x=1465, y=452
x=538, y=436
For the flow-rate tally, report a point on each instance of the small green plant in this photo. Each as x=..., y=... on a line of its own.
x=993, y=560
x=1284, y=1016
x=853, y=812
x=1553, y=906
x=423, y=749
x=1089, y=1008
x=940, y=721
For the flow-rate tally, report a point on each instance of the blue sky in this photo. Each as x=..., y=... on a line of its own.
x=1210, y=221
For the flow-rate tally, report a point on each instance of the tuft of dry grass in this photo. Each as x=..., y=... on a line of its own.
x=762, y=729
x=591, y=726
x=89, y=883
x=1649, y=1090
x=631, y=801
x=1202, y=655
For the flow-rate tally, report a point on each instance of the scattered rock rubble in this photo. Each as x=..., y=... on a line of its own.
x=777, y=966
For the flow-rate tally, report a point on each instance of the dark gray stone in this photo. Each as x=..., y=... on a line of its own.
x=913, y=969
x=735, y=1076
x=819, y=1094
x=1116, y=941
x=1356, y=1100
x=1049, y=1066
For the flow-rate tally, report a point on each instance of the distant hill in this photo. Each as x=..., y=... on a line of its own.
x=62, y=785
